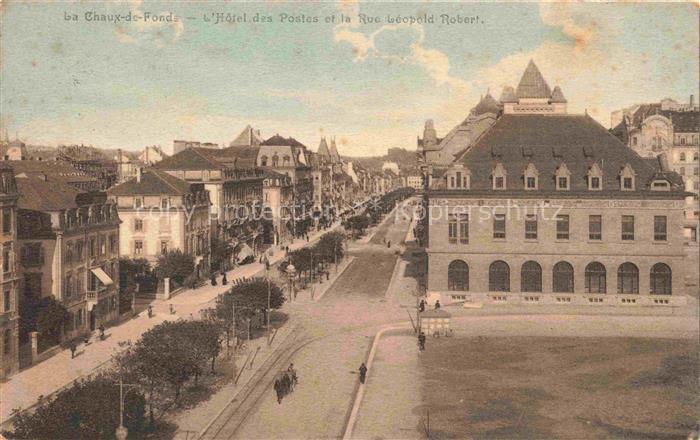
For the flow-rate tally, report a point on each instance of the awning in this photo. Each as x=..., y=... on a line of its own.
x=245, y=252
x=102, y=276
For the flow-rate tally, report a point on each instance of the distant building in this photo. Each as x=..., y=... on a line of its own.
x=56, y=170
x=69, y=249
x=249, y=137
x=13, y=150
x=151, y=155
x=9, y=281
x=179, y=146
x=671, y=128
x=547, y=207
x=160, y=212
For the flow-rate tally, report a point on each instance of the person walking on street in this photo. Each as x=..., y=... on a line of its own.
x=421, y=306
x=293, y=375
x=363, y=372
x=213, y=279
x=278, y=390
x=150, y=311
x=421, y=341
x=388, y=244
x=224, y=281
x=72, y=349
x=437, y=304
x=101, y=328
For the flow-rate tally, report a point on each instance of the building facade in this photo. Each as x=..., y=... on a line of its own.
x=549, y=208
x=9, y=310
x=69, y=249
x=159, y=213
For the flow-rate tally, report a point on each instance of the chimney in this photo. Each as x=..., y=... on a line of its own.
x=139, y=170
x=663, y=162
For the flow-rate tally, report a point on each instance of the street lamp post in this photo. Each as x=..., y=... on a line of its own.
x=121, y=432
x=269, y=292
x=291, y=272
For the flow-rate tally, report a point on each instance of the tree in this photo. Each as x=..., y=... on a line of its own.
x=89, y=409
x=174, y=265
x=330, y=247
x=357, y=223
x=204, y=339
x=220, y=252
x=44, y=315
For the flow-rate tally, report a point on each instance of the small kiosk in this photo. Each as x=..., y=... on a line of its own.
x=435, y=323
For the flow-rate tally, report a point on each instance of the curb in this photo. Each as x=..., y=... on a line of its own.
x=348, y=262
x=350, y=424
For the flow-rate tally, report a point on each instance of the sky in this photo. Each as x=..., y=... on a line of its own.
x=371, y=84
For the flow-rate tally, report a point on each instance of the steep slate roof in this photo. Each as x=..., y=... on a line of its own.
x=49, y=195
x=532, y=84
x=249, y=136
x=683, y=121
x=323, y=148
x=487, y=104
x=277, y=140
x=549, y=140
x=153, y=182
x=508, y=95
x=54, y=169
x=558, y=95
x=191, y=159
x=243, y=156
x=335, y=157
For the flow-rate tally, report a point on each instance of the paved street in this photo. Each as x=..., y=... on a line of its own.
x=26, y=387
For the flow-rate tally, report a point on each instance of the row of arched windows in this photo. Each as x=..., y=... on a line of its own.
x=562, y=277
x=286, y=161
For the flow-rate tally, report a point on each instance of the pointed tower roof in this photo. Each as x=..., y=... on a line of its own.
x=532, y=84
x=248, y=137
x=557, y=95
x=323, y=149
x=335, y=157
x=508, y=95
x=487, y=105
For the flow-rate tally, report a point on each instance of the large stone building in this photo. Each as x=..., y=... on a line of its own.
x=9, y=308
x=547, y=207
x=160, y=212
x=69, y=249
x=674, y=129
x=235, y=189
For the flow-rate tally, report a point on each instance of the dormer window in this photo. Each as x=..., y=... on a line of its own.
x=138, y=202
x=595, y=178
x=458, y=178
x=627, y=181
x=499, y=177
x=563, y=177
x=660, y=185
x=531, y=177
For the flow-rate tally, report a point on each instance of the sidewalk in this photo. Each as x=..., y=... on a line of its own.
x=45, y=378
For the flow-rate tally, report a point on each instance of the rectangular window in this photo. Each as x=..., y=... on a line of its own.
x=164, y=203
x=562, y=227
x=138, y=202
x=453, y=230
x=79, y=250
x=499, y=226
x=93, y=247
x=595, y=227
x=659, y=228
x=499, y=182
x=531, y=183
x=7, y=258
x=138, y=247
x=562, y=183
x=163, y=247
x=627, y=183
x=628, y=227
x=6, y=220
x=103, y=245
x=7, y=300
x=681, y=171
x=595, y=182
x=459, y=179
x=138, y=224
x=531, y=227
x=113, y=243
x=463, y=228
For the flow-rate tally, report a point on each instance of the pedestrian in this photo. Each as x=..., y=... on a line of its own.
x=102, y=332
x=421, y=306
x=285, y=384
x=421, y=341
x=293, y=374
x=388, y=244
x=150, y=311
x=437, y=304
x=87, y=338
x=363, y=372
x=213, y=279
x=172, y=309
x=72, y=349
x=224, y=281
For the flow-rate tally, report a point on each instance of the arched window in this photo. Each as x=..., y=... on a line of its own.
x=499, y=277
x=275, y=160
x=627, y=278
x=595, y=278
x=263, y=161
x=660, y=279
x=531, y=277
x=285, y=160
x=563, y=278
x=683, y=154
x=458, y=275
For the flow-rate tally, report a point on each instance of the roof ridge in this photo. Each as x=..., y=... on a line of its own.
x=167, y=182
